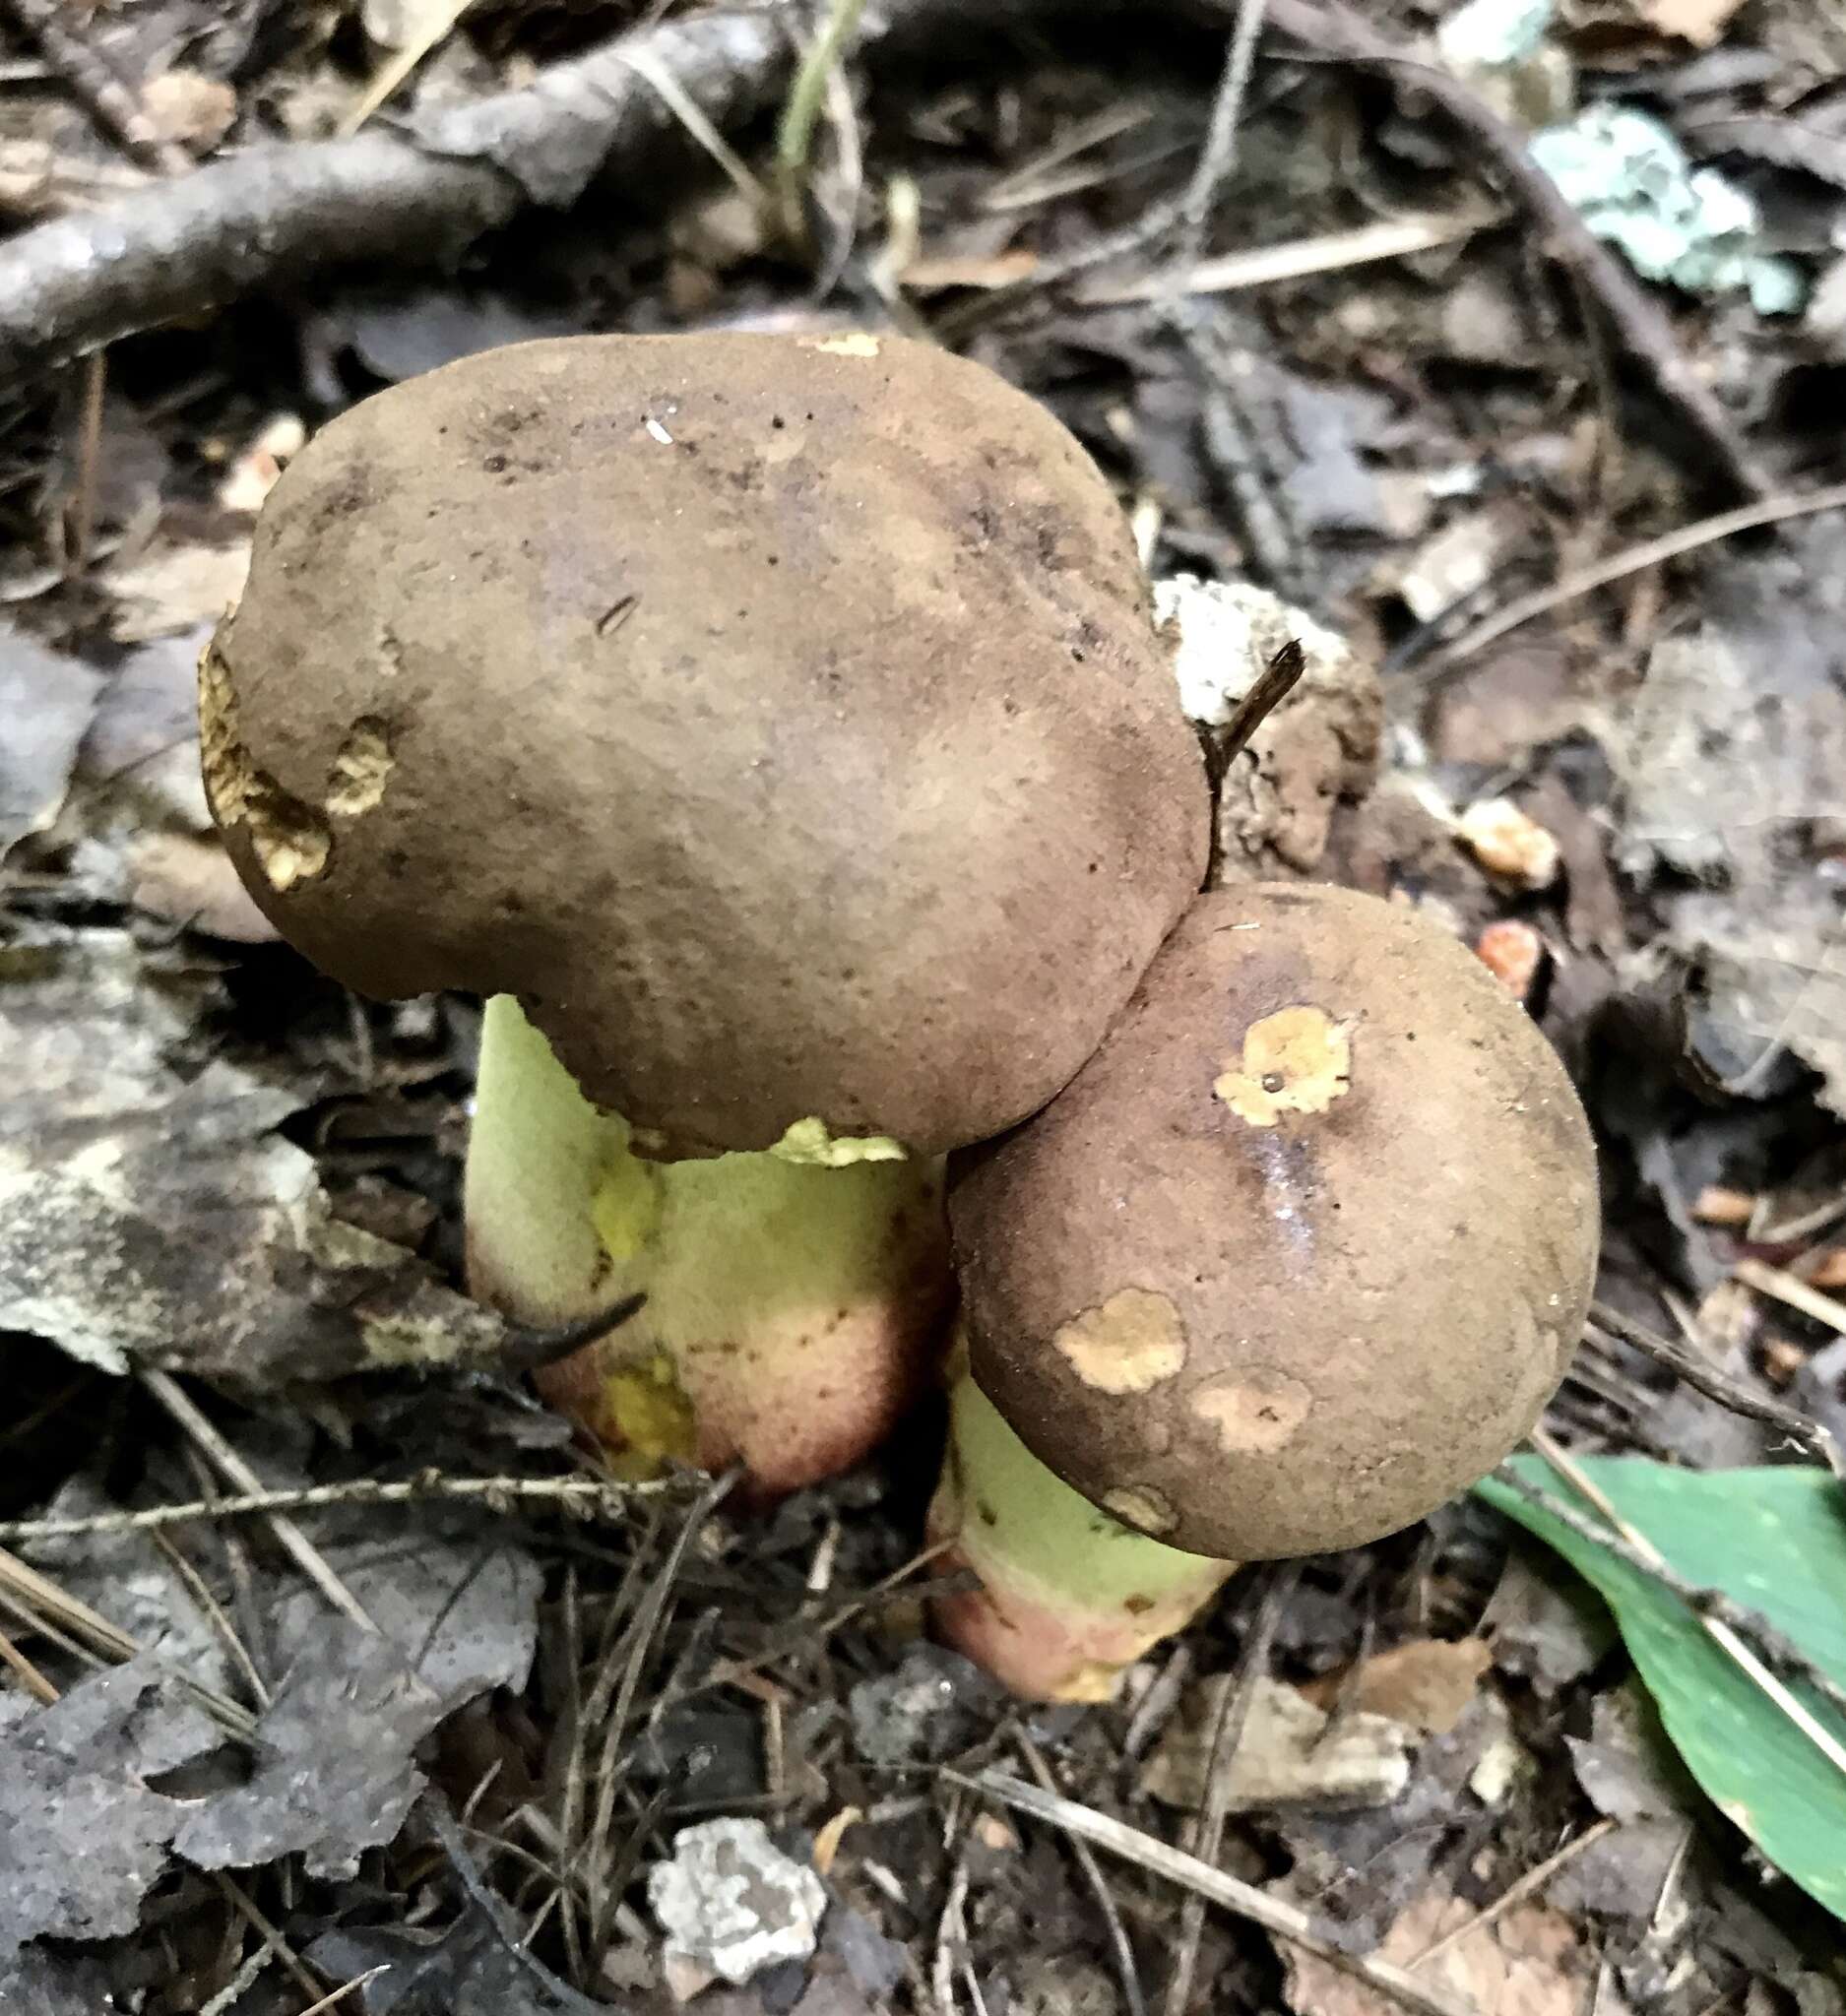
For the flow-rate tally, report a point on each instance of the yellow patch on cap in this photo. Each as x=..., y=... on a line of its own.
x=1128, y=1345
x=1298, y=1060
x=1253, y=1412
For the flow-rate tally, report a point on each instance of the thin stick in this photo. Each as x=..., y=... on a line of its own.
x=795, y=134
x=1640, y=327
x=1271, y=686
x=108, y=96
x=582, y=1497
x=340, y=1994
x=1282, y=1920
x=951, y=1935
x=82, y=513
x=234, y=1470
x=29, y=1678
x=1700, y=1374
x=1789, y=1289
x=1671, y=546
x=1092, y=1872
x=1264, y=266
x=1233, y=1706
x=272, y=1935
x=495, y=1911
x=1515, y=1893
x=1218, y=160
x=600, y=1906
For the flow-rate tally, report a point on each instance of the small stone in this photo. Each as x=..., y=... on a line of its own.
x=1509, y=843
x=733, y=1902
x=1512, y=951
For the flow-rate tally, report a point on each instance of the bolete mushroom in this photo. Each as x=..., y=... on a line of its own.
x=775, y=728
x=1302, y=1251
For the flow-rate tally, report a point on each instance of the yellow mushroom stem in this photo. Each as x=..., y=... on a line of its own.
x=1067, y=1599
x=794, y=1299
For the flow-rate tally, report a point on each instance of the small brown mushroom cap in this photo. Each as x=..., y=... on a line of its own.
x=1302, y=1251
x=780, y=720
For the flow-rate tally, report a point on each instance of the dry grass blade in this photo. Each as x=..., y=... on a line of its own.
x=234, y=1470
x=1793, y=1292
x=1099, y=1886
x=1515, y=1893
x=1286, y=1922
x=385, y=79
x=1264, y=266
x=600, y=1902
x=1671, y=546
x=29, y=1678
x=1226, y=1734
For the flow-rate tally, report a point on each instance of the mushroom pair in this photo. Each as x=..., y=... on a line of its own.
x=775, y=732
x=1302, y=1251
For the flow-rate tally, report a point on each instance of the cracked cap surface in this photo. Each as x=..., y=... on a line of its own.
x=780, y=718
x=1305, y=1246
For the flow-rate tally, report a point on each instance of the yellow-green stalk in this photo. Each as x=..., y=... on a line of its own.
x=1068, y=1597
x=795, y=1297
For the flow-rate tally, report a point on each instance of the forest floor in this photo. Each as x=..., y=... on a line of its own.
x=421, y=1754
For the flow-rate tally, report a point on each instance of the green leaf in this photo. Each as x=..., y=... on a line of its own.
x=1775, y=1542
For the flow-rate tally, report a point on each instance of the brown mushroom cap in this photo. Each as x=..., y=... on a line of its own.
x=1303, y=1248
x=780, y=720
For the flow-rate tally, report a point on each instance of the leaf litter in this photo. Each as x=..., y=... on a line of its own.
x=205, y=1188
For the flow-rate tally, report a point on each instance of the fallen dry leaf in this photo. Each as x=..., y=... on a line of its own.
x=150, y=1212
x=191, y=881
x=166, y=588
x=1287, y=1756
x=1698, y=22
x=187, y=106
x=46, y=700
x=1425, y=1685
x=1528, y=1962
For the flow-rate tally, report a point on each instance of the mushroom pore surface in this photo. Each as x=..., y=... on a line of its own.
x=780, y=718
x=1303, y=1248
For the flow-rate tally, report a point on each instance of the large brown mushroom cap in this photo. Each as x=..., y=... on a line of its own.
x=1302, y=1251
x=780, y=720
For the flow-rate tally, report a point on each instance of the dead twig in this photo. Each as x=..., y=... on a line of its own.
x=1698, y=1372
x=1334, y=29
x=1233, y=1706
x=93, y=80
x=1281, y=1920
x=1092, y=1871
x=1515, y=1893
x=234, y=1470
x=601, y=1903
x=1218, y=159
x=420, y=193
x=1671, y=546
x=581, y=1497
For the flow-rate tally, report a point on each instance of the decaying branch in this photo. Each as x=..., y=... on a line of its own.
x=420, y=192
x=425, y=189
